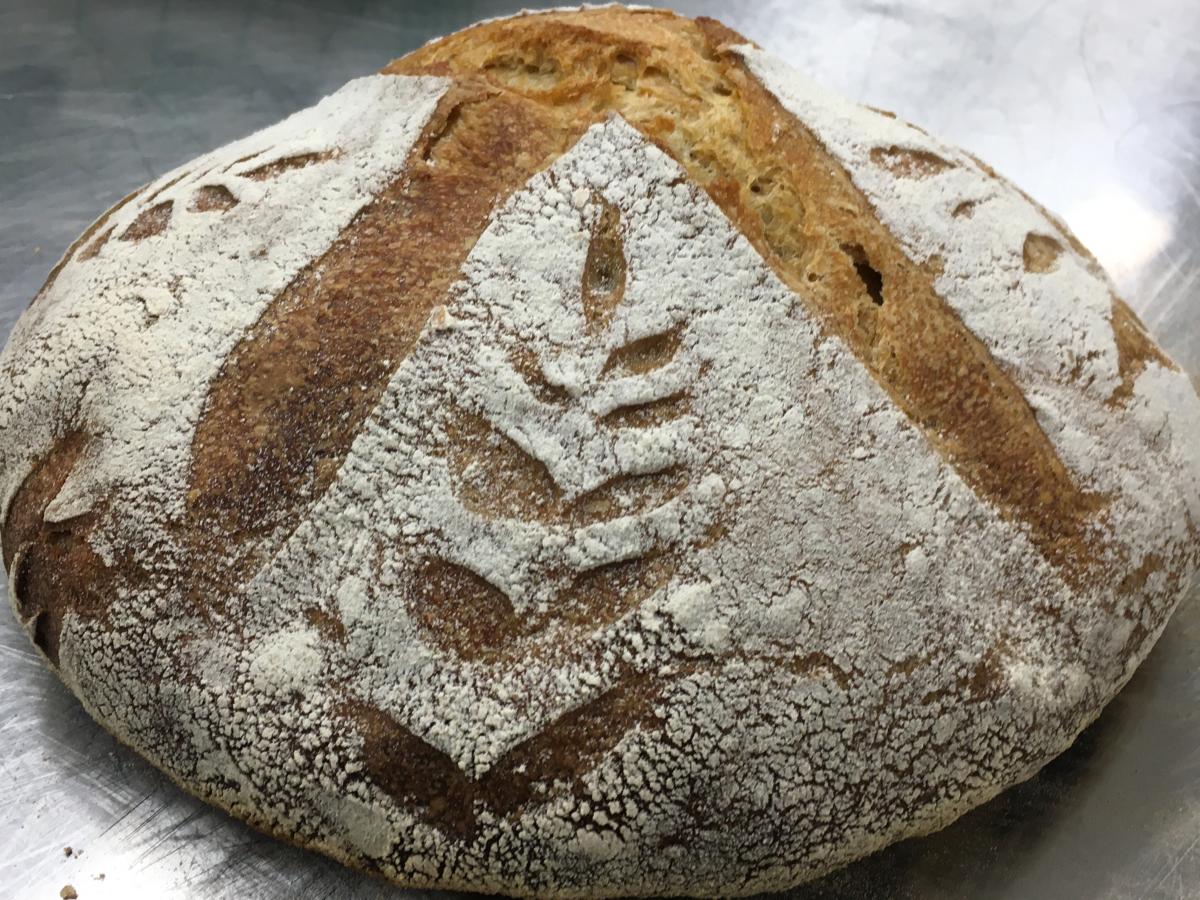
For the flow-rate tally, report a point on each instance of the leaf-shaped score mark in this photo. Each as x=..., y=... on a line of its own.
x=463, y=615
x=270, y=170
x=151, y=223
x=493, y=476
x=213, y=198
x=422, y=776
x=645, y=354
x=605, y=269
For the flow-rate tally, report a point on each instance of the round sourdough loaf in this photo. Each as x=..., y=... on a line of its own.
x=586, y=458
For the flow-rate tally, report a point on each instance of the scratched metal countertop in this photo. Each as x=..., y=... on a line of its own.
x=1094, y=107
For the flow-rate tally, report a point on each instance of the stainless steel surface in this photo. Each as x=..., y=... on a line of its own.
x=1093, y=107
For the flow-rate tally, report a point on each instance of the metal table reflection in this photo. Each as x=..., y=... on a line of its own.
x=1094, y=107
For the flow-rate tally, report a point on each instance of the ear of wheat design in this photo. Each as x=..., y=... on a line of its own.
x=499, y=474
x=502, y=471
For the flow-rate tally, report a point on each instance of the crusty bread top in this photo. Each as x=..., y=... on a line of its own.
x=587, y=457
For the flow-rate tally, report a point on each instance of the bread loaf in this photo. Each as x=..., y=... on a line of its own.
x=588, y=459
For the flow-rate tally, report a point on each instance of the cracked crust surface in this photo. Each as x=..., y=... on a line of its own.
x=588, y=459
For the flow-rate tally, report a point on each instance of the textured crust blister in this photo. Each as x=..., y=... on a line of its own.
x=627, y=554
